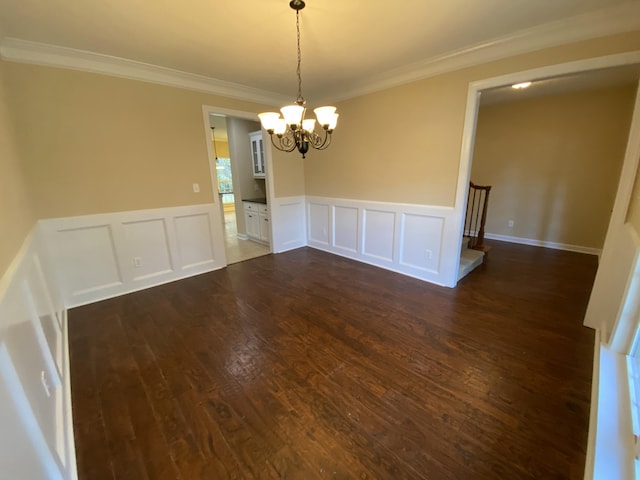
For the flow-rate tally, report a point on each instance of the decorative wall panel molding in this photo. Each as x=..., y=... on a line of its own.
x=288, y=223
x=409, y=239
x=36, y=438
x=101, y=256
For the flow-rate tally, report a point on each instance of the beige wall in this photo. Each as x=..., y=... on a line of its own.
x=16, y=214
x=221, y=148
x=554, y=164
x=95, y=144
x=403, y=144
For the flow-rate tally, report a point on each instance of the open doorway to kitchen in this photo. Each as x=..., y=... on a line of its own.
x=236, y=146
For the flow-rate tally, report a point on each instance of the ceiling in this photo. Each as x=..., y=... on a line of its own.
x=346, y=45
x=592, y=80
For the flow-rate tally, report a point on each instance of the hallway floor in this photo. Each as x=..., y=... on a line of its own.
x=240, y=250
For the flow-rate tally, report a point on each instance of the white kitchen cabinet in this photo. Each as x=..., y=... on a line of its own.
x=256, y=218
x=265, y=227
x=257, y=154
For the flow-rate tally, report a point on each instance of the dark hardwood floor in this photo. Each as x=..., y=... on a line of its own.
x=305, y=365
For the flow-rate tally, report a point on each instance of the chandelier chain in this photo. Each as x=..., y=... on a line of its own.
x=298, y=72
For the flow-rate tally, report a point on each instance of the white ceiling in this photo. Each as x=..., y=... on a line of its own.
x=346, y=45
x=592, y=80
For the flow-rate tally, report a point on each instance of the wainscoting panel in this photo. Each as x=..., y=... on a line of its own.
x=36, y=438
x=288, y=223
x=89, y=258
x=409, y=239
x=421, y=242
x=101, y=256
x=345, y=232
x=195, y=242
x=319, y=223
x=379, y=234
x=148, y=239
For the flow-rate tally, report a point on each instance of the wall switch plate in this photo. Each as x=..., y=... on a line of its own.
x=510, y=223
x=137, y=262
x=429, y=254
x=196, y=188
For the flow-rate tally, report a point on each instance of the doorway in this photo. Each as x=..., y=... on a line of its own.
x=237, y=186
x=476, y=89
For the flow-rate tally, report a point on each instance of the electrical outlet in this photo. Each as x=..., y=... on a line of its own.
x=137, y=262
x=428, y=253
x=510, y=223
x=196, y=188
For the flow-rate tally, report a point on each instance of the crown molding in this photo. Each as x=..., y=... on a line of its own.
x=602, y=23
x=615, y=20
x=24, y=51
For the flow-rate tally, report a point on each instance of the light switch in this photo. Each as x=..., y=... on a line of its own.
x=196, y=188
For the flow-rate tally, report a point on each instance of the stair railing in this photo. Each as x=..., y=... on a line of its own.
x=476, y=215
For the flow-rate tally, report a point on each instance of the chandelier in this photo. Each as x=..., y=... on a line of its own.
x=294, y=131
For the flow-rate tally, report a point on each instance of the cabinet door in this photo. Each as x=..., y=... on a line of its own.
x=257, y=154
x=265, y=228
x=252, y=222
x=261, y=157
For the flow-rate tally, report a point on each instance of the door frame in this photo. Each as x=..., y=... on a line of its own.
x=217, y=214
x=629, y=167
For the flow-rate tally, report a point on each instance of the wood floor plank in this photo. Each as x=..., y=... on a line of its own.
x=305, y=365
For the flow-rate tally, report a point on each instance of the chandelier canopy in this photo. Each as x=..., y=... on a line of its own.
x=292, y=131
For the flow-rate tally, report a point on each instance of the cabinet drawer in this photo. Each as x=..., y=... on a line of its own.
x=262, y=208
x=250, y=207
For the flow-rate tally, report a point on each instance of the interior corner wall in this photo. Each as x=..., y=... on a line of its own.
x=403, y=144
x=17, y=217
x=554, y=164
x=244, y=185
x=96, y=144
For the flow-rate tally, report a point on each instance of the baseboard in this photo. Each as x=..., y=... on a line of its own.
x=544, y=243
x=242, y=236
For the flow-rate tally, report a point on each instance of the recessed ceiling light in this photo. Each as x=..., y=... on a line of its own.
x=520, y=86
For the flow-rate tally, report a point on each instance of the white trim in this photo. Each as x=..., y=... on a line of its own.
x=611, y=21
x=610, y=449
x=620, y=243
x=242, y=236
x=24, y=51
x=405, y=238
x=593, y=410
x=543, y=243
x=68, y=411
x=94, y=255
x=471, y=116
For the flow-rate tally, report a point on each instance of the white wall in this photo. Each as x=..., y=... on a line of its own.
x=36, y=438
x=409, y=239
x=105, y=255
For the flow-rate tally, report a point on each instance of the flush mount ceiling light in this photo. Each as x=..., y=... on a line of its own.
x=294, y=131
x=520, y=86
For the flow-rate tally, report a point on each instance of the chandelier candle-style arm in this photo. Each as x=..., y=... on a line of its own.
x=292, y=130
